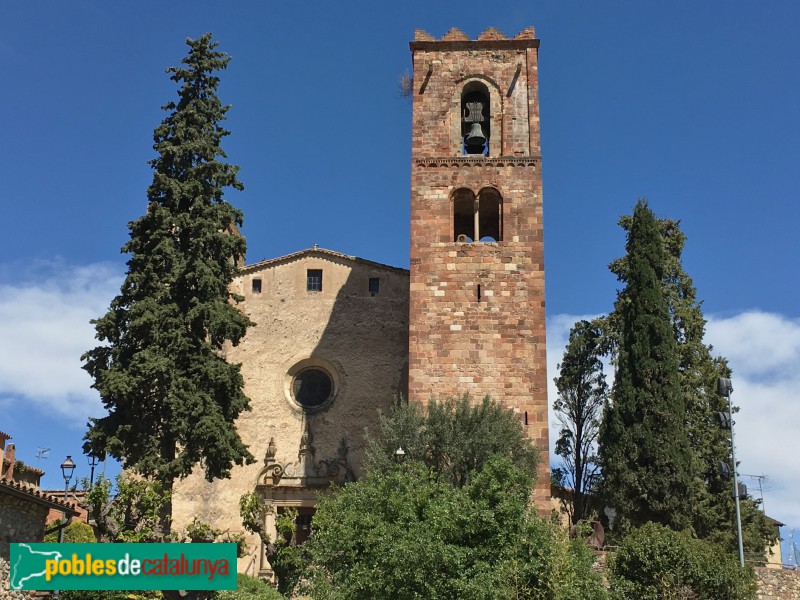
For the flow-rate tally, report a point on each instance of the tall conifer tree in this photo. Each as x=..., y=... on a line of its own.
x=171, y=397
x=644, y=447
x=712, y=506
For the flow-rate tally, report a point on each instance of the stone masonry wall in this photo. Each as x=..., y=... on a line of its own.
x=20, y=521
x=460, y=342
x=777, y=584
x=361, y=338
x=5, y=593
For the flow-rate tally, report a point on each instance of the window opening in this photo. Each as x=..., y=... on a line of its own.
x=256, y=286
x=475, y=119
x=312, y=387
x=374, y=285
x=463, y=216
x=314, y=280
x=477, y=220
x=479, y=292
x=489, y=220
x=303, y=523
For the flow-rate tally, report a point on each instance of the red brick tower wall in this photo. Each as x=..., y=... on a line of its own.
x=462, y=340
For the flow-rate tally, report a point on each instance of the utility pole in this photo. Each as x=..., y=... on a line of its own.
x=724, y=388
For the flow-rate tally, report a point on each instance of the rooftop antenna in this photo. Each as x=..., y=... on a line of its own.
x=760, y=478
x=40, y=454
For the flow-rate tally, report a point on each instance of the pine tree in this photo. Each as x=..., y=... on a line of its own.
x=644, y=447
x=582, y=391
x=171, y=397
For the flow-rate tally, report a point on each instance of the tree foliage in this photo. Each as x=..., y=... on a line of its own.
x=644, y=447
x=160, y=370
x=410, y=533
x=582, y=392
x=453, y=437
x=712, y=507
x=656, y=563
x=133, y=514
x=77, y=532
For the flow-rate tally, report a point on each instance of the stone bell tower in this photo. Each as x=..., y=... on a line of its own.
x=477, y=320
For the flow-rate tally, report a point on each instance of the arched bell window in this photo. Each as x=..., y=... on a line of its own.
x=475, y=118
x=477, y=218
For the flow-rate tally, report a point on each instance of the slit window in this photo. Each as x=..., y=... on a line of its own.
x=314, y=280
x=374, y=285
x=256, y=286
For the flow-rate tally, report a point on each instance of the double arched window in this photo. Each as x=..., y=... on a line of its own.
x=477, y=218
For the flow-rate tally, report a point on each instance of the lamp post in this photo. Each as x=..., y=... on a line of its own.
x=67, y=468
x=93, y=462
x=399, y=455
x=724, y=388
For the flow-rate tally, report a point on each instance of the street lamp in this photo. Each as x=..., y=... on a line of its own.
x=67, y=468
x=724, y=388
x=93, y=462
x=399, y=455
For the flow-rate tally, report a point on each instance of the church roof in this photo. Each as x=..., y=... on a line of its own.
x=322, y=253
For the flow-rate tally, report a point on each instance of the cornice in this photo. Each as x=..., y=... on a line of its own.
x=481, y=161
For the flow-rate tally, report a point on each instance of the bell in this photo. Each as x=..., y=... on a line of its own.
x=475, y=136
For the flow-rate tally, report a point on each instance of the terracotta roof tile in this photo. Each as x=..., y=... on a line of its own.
x=36, y=495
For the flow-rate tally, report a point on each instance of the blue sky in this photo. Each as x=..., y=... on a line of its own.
x=692, y=105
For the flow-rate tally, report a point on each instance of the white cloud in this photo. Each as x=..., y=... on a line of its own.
x=763, y=350
x=45, y=309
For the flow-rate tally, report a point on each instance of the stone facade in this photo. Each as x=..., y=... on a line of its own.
x=355, y=333
x=774, y=584
x=22, y=521
x=477, y=320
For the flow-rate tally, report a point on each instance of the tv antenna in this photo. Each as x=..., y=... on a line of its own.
x=41, y=453
x=761, y=478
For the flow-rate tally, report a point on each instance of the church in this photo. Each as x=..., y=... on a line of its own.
x=339, y=338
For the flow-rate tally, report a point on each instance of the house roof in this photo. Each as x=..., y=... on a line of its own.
x=322, y=253
x=20, y=490
x=24, y=466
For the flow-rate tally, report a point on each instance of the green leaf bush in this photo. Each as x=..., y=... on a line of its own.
x=656, y=563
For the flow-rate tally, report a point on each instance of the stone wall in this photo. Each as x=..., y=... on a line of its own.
x=775, y=584
x=5, y=593
x=20, y=521
x=358, y=336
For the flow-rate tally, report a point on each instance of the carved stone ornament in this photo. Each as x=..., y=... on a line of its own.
x=305, y=471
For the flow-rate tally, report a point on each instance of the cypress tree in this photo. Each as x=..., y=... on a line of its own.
x=161, y=373
x=644, y=447
x=712, y=506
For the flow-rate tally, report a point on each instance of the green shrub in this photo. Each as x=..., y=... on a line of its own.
x=108, y=595
x=76, y=532
x=250, y=588
x=656, y=563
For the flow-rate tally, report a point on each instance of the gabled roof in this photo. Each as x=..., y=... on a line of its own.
x=20, y=490
x=25, y=467
x=322, y=253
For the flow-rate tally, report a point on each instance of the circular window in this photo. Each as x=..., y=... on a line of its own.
x=312, y=387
